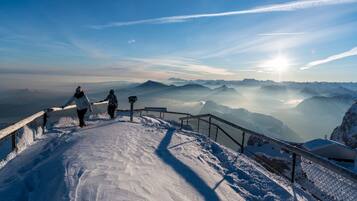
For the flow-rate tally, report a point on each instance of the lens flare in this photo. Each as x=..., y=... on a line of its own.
x=278, y=64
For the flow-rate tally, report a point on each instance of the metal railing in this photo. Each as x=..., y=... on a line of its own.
x=44, y=117
x=162, y=113
x=285, y=159
x=35, y=121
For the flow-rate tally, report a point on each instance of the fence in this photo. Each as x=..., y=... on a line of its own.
x=321, y=177
x=14, y=137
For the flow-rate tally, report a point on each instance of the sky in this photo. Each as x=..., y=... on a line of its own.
x=45, y=42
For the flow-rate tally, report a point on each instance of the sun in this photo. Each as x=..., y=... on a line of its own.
x=278, y=64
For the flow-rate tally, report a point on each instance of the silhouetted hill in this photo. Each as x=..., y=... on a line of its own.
x=148, y=88
x=316, y=116
x=321, y=105
x=274, y=89
x=151, y=85
x=257, y=122
x=223, y=94
x=306, y=91
x=192, y=87
x=224, y=89
x=326, y=90
x=152, y=92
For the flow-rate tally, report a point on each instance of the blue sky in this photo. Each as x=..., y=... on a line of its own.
x=203, y=39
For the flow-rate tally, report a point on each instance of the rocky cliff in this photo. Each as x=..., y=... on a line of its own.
x=346, y=133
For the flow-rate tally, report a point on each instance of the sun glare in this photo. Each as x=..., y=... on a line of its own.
x=278, y=64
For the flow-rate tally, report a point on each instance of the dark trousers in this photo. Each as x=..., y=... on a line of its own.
x=81, y=114
x=111, y=111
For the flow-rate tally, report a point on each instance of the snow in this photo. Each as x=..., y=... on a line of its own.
x=330, y=149
x=25, y=137
x=144, y=160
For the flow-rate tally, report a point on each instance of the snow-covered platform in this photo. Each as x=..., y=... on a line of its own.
x=144, y=160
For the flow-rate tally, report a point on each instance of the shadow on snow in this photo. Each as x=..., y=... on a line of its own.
x=183, y=170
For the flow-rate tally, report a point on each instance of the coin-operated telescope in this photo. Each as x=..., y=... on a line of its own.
x=132, y=100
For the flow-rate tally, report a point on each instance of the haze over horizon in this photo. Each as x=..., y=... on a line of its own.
x=61, y=42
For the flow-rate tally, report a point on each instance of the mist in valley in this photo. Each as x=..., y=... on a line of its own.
x=287, y=110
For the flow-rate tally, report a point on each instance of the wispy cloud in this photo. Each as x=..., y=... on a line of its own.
x=89, y=49
x=349, y=53
x=161, y=67
x=176, y=64
x=131, y=41
x=282, y=34
x=290, y=6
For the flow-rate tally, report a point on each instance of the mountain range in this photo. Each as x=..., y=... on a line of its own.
x=257, y=122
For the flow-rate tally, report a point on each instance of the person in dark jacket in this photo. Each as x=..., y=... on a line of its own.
x=112, y=103
x=82, y=103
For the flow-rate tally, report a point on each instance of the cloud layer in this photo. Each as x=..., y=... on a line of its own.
x=282, y=34
x=143, y=68
x=290, y=6
x=175, y=64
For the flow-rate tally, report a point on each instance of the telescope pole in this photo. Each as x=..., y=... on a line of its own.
x=131, y=111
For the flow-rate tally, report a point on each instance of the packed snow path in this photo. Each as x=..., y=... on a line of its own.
x=144, y=160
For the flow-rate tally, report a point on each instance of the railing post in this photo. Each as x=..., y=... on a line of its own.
x=45, y=116
x=216, y=134
x=160, y=115
x=293, y=168
x=181, y=123
x=242, y=145
x=187, y=120
x=209, y=127
x=140, y=113
x=163, y=115
x=13, y=142
x=198, y=125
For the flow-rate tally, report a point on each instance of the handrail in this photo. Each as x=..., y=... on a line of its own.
x=291, y=148
x=181, y=113
x=55, y=109
x=16, y=126
x=223, y=131
x=5, y=132
x=241, y=145
x=188, y=115
x=150, y=110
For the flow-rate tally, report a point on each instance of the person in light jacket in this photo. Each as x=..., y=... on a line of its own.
x=82, y=103
x=112, y=103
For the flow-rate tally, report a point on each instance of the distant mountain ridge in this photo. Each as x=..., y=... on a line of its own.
x=152, y=84
x=224, y=88
x=257, y=122
x=274, y=88
x=319, y=88
x=192, y=87
x=157, y=89
x=326, y=105
x=224, y=94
